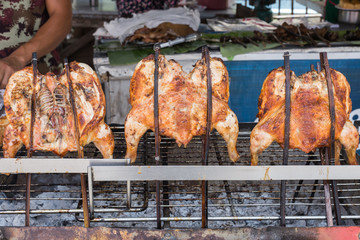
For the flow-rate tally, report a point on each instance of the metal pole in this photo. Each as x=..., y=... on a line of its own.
x=157, y=134
x=128, y=189
x=91, y=193
x=279, y=7
x=79, y=147
x=325, y=161
x=325, y=64
x=27, y=203
x=206, y=138
x=286, y=135
x=31, y=145
x=312, y=67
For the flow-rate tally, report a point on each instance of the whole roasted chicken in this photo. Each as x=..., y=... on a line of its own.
x=54, y=127
x=309, y=118
x=182, y=103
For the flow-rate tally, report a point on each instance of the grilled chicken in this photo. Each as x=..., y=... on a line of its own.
x=54, y=127
x=182, y=103
x=309, y=118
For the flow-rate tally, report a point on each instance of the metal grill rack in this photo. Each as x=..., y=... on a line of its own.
x=231, y=203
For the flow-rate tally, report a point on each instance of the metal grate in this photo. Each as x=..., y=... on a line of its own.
x=56, y=198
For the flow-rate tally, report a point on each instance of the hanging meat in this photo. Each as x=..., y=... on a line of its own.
x=182, y=103
x=54, y=127
x=309, y=119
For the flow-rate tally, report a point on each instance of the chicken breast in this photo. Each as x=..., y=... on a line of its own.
x=54, y=126
x=309, y=118
x=182, y=103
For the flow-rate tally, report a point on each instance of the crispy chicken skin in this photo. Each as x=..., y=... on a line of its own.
x=54, y=127
x=309, y=118
x=182, y=103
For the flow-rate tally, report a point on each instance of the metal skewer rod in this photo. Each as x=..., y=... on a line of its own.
x=157, y=134
x=206, y=138
x=325, y=161
x=78, y=145
x=286, y=135
x=312, y=67
x=30, y=150
x=325, y=64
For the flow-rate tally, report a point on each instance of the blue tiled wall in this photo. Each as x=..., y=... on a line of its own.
x=247, y=78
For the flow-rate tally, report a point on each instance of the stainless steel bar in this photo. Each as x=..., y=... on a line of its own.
x=157, y=134
x=261, y=218
x=47, y=211
x=128, y=190
x=52, y=199
x=115, y=210
x=59, y=211
x=286, y=135
x=53, y=165
x=91, y=193
x=79, y=147
x=210, y=205
x=325, y=63
x=210, y=173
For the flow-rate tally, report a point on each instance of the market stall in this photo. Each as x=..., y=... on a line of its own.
x=193, y=103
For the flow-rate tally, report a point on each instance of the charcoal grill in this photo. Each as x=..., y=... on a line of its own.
x=231, y=203
x=216, y=193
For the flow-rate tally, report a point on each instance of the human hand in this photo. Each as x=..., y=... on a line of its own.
x=8, y=66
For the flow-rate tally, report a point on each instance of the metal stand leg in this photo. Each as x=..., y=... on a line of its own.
x=27, y=203
x=204, y=204
x=85, y=202
x=337, y=209
x=329, y=216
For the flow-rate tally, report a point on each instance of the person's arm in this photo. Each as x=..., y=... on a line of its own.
x=48, y=37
